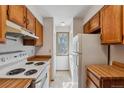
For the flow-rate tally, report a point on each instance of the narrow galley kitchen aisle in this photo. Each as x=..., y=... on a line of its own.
x=63, y=77
x=62, y=80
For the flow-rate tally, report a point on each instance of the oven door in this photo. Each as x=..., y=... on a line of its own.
x=40, y=83
x=43, y=81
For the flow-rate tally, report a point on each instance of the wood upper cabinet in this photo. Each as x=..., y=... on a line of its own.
x=17, y=14
x=30, y=21
x=21, y=16
x=123, y=25
x=87, y=27
x=111, y=24
x=3, y=16
x=95, y=22
x=39, y=33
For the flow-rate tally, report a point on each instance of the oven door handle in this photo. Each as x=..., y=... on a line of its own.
x=39, y=81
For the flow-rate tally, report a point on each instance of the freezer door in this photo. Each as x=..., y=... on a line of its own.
x=74, y=67
x=75, y=44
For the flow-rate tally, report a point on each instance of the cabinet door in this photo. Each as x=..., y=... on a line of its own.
x=39, y=33
x=111, y=24
x=90, y=84
x=3, y=16
x=30, y=21
x=87, y=27
x=95, y=23
x=17, y=14
x=123, y=24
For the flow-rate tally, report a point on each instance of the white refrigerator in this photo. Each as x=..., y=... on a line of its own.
x=87, y=50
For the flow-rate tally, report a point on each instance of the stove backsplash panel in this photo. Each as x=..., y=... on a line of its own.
x=16, y=44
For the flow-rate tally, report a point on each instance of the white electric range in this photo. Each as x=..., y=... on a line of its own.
x=15, y=65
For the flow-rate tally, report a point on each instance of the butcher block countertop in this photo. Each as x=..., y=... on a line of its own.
x=114, y=71
x=106, y=76
x=40, y=58
x=15, y=83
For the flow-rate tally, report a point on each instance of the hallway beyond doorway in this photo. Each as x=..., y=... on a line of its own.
x=62, y=80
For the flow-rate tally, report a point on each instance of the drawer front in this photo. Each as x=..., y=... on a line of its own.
x=94, y=79
x=90, y=84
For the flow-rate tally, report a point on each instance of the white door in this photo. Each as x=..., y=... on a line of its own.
x=62, y=51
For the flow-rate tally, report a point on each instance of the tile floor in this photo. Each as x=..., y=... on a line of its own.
x=62, y=80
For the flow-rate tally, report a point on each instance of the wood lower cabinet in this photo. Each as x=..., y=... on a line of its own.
x=90, y=83
x=39, y=33
x=111, y=24
x=105, y=76
x=30, y=21
x=3, y=16
x=17, y=14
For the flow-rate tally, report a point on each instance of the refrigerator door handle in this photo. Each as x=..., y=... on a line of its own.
x=78, y=53
x=77, y=60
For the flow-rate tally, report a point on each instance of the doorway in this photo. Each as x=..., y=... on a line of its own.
x=62, y=76
x=62, y=51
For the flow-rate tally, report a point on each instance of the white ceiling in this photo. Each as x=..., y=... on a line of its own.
x=62, y=13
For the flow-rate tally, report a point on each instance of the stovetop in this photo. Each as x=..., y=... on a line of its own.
x=29, y=63
x=15, y=65
x=16, y=71
x=30, y=72
x=23, y=70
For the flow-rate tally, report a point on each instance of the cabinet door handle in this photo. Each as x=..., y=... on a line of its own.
x=27, y=22
x=24, y=19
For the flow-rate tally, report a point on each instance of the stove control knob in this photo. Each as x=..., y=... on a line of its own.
x=3, y=59
x=15, y=56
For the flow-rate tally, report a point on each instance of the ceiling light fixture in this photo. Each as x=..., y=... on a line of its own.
x=62, y=24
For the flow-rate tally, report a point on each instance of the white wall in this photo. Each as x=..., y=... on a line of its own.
x=117, y=53
x=15, y=46
x=47, y=48
x=54, y=49
x=77, y=26
x=35, y=12
x=62, y=62
x=91, y=12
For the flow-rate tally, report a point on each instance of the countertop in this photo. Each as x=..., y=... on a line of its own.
x=107, y=72
x=15, y=83
x=40, y=58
